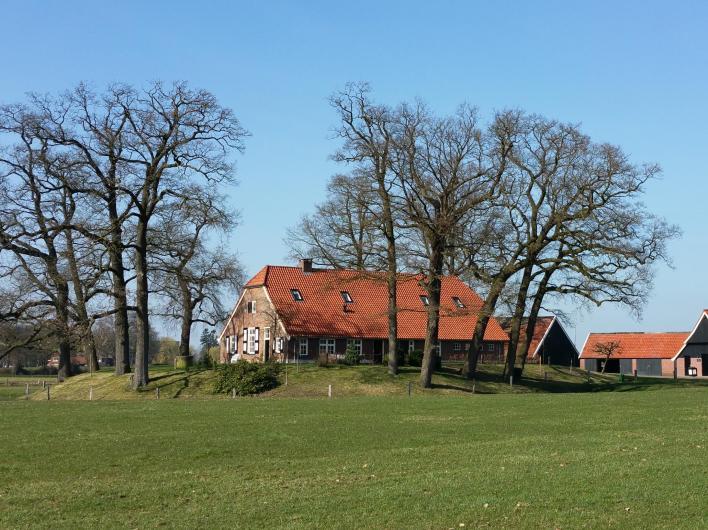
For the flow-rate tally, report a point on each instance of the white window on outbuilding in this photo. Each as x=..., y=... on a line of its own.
x=327, y=346
x=356, y=344
x=302, y=346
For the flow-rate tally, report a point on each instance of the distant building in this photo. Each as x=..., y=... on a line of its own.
x=683, y=354
x=303, y=312
x=76, y=360
x=550, y=343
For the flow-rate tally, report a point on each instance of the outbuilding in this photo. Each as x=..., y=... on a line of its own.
x=550, y=343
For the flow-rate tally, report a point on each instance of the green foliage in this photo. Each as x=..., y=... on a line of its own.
x=415, y=358
x=246, y=378
x=351, y=355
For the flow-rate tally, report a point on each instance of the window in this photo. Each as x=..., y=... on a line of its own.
x=234, y=344
x=251, y=307
x=457, y=346
x=490, y=346
x=302, y=347
x=424, y=299
x=346, y=297
x=458, y=302
x=327, y=346
x=411, y=346
x=279, y=345
x=251, y=340
x=297, y=295
x=266, y=334
x=356, y=344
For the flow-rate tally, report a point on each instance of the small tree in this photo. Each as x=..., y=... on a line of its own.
x=608, y=349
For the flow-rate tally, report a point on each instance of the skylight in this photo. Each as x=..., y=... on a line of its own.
x=297, y=295
x=424, y=299
x=346, y=297
x=458, y=302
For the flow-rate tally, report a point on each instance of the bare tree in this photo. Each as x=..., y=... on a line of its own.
x=607, y=349
x=190, y=276
x=343, y=232
x=367, y=132
x=173, y=136
x=446, y=180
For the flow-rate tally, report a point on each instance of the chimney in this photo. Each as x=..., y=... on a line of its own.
x=306, y=265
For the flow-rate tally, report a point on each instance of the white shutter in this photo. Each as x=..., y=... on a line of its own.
x=255, y=348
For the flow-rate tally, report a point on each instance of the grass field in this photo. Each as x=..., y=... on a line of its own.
x=633, y=459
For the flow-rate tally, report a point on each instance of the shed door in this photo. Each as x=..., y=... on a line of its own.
x=625, y=366
x=649, y=367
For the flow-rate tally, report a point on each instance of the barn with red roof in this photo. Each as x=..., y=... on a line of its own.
x=677, y=354
x=303, y=312
x=550, y=343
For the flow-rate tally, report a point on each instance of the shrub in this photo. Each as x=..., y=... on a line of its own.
x=247, y=378
x=415, y=358
x=351, y=355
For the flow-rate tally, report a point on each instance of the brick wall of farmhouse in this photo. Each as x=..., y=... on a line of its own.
x=264, y=317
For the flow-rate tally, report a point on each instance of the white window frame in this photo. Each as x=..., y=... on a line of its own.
x=251, y=349
x=411, y=346
x=266, y=333
x=356, y=343
x=330, y=346
x=457, y=346
x=279, y=345
x=302, y=352
x=234, y=344
x=490, y=346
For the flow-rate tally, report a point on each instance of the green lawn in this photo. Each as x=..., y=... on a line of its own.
x=632, y=459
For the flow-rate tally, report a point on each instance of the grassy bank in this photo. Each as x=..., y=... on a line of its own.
x=613, y=459
x=308, y=380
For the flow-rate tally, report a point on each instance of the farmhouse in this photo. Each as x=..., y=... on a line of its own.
x=305, y=312
x=679, y=354
x=550, y=343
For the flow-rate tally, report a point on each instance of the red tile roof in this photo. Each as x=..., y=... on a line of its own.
x=636, y=345
x=321, y=313
x=539, y=331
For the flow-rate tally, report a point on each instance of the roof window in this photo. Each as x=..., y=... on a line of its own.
x=424, y=299
x=297, y=295
x=346, y=297
x=458, y=302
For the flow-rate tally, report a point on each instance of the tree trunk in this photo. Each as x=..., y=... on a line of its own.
x=533, y=316
x=469, y=369
x=142, y=323
x=516, y=318
x=433, y=288
x=62, y=313
x=391, y=279
x=120, y=300
x=187, y=318
x=84, y=322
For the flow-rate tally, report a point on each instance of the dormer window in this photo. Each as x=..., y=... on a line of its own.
x=297, y=295
x=424, y=299
x=346, y=297
x=458, y=302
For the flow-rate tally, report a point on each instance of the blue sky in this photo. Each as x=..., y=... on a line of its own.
x=634, y=74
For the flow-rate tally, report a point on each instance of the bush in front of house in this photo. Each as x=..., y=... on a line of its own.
x=351, y=355
x=246, y=378
x=415, y=358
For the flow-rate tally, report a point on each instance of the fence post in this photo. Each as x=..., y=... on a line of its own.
x=410, y=385
x=329, y=391
x=635, y=374
x=233, y=393
x=90, y=393
x=511, y=381
x=27, y=391
x=44, y=384
x=48, y=387
x=545, y=377
x=473, y=385
x=588, y=375
x=157, y=393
